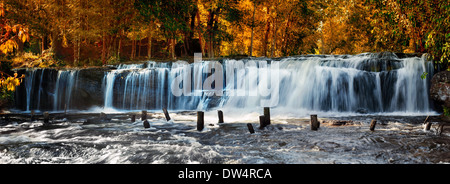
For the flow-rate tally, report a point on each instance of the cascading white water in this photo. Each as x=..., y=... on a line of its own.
x=29, y=81
x=331, y=83
x=65, y=83
x=368, y=83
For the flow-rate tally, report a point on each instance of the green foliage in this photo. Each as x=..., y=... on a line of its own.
x=171, y=14
x=424, y=75
x=446, y=111
x=5, y=94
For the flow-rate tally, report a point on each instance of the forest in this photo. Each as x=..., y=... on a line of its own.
x=84, y=33
x=80, y=33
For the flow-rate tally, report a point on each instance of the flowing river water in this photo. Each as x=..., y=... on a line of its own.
x=69, y=139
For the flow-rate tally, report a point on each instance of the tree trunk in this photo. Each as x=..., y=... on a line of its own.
x=104, y=50
x=186, y=45
x=119, y=47
x=139, y=52
x=44, y=43
x=286, y=37
x=111, y=46
x=56, y=41
x=133, y=49
x=190, y=45
x=76, y=54
x=215, y=28
x=200, y=34
x=79, y=48
x=211, y=28
x=253, y=26
x=56, y=45
x=266, y=36
x=149, y=47
x=172, y=47
x=211, y=46
x=274, y=38
x=19, y=45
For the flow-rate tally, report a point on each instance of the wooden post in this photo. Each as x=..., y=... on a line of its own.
x=65, y=108
x=146, y=124
x=144, y=115
x=428, y=124
x=262, y=122
x=133, y=117
x=166, y=114
x=267, y=115
x=200, y=120
x=250, y=128
x=32, y=115
x=315, y=124
x=426, y=119
x=220, y=114
x=373, y=123
x=46, y=117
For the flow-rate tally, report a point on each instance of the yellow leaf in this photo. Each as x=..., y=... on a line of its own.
x=8, y=46
x=16, y=82
x=23, y=37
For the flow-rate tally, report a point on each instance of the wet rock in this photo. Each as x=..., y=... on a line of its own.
x=102, y=118
x=338, y=122
x=282, y=144
x=362, y=111
x=88, y=91
x=440, y=88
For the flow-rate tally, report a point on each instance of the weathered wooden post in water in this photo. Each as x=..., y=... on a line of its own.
x=262, y=122
x=200, y=120
x=428, y=123
x=267, y=115
x=32, y=115
x=133, y=118
x=144, y=115
x=315, y=124
x=250, y=128
x=220, y=114
x=373, y=123
x=46, y=117
x=166, y=114
x=146, y=124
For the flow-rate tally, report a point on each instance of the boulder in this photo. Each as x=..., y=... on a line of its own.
x=440, y=88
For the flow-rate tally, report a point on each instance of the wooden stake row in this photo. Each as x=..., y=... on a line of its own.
x=264, y=120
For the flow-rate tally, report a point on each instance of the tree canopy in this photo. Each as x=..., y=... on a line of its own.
x=83, y=32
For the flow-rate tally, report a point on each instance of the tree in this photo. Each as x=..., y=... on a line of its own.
x=12, y=35
x=172, y=15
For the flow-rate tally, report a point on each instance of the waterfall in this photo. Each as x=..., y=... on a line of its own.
x=371, y=83
x=65, y=84
x=29, y=83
